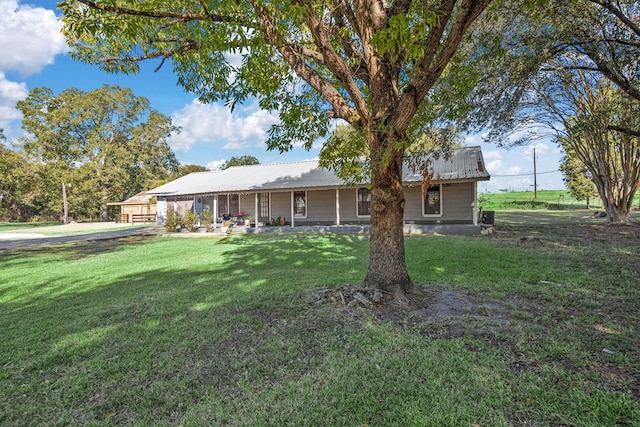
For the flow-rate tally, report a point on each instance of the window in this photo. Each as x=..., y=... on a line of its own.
x=263, y=202
x=364, y=202
x=300, y=203
x=433, y=201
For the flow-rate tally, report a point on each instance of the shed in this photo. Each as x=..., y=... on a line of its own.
x=139, y=208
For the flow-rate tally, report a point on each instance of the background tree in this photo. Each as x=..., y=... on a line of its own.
x=542, y=78
x=369, y=63
x=347, y=154
x=493, y=72
x=612, y=158
x=110, y=143
x=187, y=169
x=241, y=161
x=12, y=184
x=577, y=178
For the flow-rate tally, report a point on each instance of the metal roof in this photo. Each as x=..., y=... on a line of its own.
x=464, y=164
x=141, y=198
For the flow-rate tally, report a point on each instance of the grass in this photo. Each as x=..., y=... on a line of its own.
x=166, y=331
x=544, y=200
x=12, y=226
x=53, y=228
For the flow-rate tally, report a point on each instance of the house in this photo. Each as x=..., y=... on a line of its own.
x=306, y=195
x=139, y=208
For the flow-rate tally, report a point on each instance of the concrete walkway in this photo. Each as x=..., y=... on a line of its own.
x=26, y=240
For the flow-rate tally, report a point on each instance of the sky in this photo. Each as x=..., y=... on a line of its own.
x=34, y=54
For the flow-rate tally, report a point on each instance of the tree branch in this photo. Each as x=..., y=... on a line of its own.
x=619, y=14
x=157, y=54
x=438, y=53
x=341, y=108
x=332, y=60
x=399, y=7
x=183, y=16
x=625, y=130
x=349, y=45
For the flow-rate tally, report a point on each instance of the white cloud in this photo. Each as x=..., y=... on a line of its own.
x=30, y=37
x=541, y=149
x=10, y=93
x=491, y=155
x=215, y=124
x=235, y=59
x=215, y=164
x=494, y=166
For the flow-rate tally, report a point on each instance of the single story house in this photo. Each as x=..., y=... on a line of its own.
x=303, y=194
x=139, y=208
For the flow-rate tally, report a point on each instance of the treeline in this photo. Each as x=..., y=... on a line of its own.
x=104, y=145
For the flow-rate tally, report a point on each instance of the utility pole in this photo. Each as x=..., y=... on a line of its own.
x=65, y=206
x=535, y=177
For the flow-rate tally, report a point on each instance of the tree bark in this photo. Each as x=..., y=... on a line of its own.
x=617, y=213
x=387, y=268
x=104, y=214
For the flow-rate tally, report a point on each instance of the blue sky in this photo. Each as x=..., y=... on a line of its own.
x=34, y=54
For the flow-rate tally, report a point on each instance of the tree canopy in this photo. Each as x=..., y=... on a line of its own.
x=241, y=161
x=12, y=171
x=611, y=158
x=570, y=71
x=563, y=36
x=370, y=63
x=107, y=143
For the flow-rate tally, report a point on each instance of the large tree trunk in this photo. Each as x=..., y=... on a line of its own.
x=617, y=213
x=615, y=198
x=387, y=269
x=104, y=198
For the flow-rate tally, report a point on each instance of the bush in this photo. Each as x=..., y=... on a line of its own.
x=172, y=220
x=191, y=220
x=207, y=218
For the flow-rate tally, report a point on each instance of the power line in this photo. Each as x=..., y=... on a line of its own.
x=525, y=174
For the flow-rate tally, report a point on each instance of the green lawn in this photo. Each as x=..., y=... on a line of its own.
x=57, y=229
x=551, y=199
x=12, y=226
x=220, y=331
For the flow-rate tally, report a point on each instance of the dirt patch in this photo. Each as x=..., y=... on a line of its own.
x=434, y=311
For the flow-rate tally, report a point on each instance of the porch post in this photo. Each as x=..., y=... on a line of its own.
x=255, y=212
x=337, y=206
x=292, y=221
x=215, y=210
x=475, y=203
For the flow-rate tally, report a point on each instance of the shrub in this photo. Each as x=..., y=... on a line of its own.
x=172, y=220
x=191, y=220
x=207, y=217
